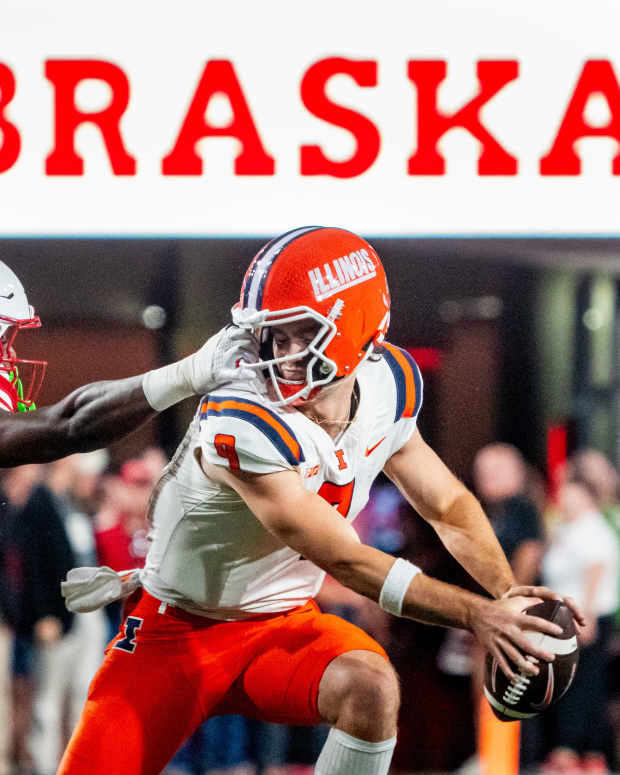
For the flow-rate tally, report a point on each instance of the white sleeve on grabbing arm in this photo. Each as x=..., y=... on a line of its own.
x=214, y=364
x=396, y=585
x=168, y=385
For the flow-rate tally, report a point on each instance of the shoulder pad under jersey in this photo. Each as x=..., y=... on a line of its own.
x=407, y=378
x=245, y=434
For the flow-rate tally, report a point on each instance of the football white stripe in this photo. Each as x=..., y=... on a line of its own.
x=265, y=262
x=558, y=646
x=503, y=708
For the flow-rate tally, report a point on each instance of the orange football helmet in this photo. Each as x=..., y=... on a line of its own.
x=328, y=275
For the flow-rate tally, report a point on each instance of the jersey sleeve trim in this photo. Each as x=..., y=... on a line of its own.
x=266, y=421
x=408, y=380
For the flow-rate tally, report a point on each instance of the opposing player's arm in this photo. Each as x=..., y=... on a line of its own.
x=97, y=414
x=453, y=511
x=308, y=524
x=92, y=416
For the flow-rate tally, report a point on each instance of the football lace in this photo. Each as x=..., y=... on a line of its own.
x=515, y=689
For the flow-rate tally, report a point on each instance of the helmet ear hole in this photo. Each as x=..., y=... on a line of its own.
x=320, y=370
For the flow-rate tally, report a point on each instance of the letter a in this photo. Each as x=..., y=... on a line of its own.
x=218, y=77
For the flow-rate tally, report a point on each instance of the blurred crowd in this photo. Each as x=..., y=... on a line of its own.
x=75, y=512
x=84, y=511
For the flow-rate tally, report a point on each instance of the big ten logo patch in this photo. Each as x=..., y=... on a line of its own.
x=128, y=643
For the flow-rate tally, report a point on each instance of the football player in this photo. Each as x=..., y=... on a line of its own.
x=256, y=506
x=99, y=413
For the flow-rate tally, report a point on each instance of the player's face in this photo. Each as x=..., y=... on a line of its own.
x=292, y=338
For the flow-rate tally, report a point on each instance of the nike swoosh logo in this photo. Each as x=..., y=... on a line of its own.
x=8, y=298
x=374, y=446
x=546, y=701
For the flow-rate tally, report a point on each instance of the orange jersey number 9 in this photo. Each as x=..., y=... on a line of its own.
x=225, y=447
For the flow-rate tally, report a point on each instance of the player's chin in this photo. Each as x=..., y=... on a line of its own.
x=296, y=377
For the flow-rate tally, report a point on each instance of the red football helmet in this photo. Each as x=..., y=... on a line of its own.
x=16, y=314
x=328, y=275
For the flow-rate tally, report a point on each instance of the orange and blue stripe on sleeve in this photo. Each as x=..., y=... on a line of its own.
x=268, y=422
x=408, y=381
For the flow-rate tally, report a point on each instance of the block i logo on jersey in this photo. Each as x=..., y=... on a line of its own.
x=340, y=273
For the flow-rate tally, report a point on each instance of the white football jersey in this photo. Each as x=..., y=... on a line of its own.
x=209, y=554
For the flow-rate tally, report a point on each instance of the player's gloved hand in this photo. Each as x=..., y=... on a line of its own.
x=504, y=629
x=223, y=358
x=87, y=589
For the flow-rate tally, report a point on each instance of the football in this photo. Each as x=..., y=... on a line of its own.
x=527, y=696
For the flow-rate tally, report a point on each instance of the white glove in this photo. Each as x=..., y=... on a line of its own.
x=87, y=589
x=223, y=358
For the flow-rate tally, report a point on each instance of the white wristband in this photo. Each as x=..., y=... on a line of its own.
x=167, y=386
x=396, y=585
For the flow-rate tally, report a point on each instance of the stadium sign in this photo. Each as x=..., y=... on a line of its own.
x=597, y=78
x=243, y=144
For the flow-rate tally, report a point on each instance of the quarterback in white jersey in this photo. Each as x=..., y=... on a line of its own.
x=209, y=553
x=256, y=506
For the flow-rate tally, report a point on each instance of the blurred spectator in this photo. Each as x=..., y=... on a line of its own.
x=17, y=485
x=233, y=745
x=6, y=640
x=155, y=460
x=582, y=561
x=121, y=526
x=218, y=746
x=508, y=489
x=66, y=656
x=592, y=468
x=500, y=476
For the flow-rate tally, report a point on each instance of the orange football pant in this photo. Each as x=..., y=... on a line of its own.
x=166, y=673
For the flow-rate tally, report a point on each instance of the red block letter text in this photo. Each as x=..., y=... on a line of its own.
x=433, y=124
x=313, y=161
x=597, y=77
x=9, y=150
x=66, y=76
x=218, y=77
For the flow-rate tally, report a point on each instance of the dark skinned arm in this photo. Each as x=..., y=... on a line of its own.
x=92, y=416
x=100, y=413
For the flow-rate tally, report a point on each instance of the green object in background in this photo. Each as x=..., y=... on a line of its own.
x=19, y=388
x=611, y=512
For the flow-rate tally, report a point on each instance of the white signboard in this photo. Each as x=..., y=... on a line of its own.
x=249, y=118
